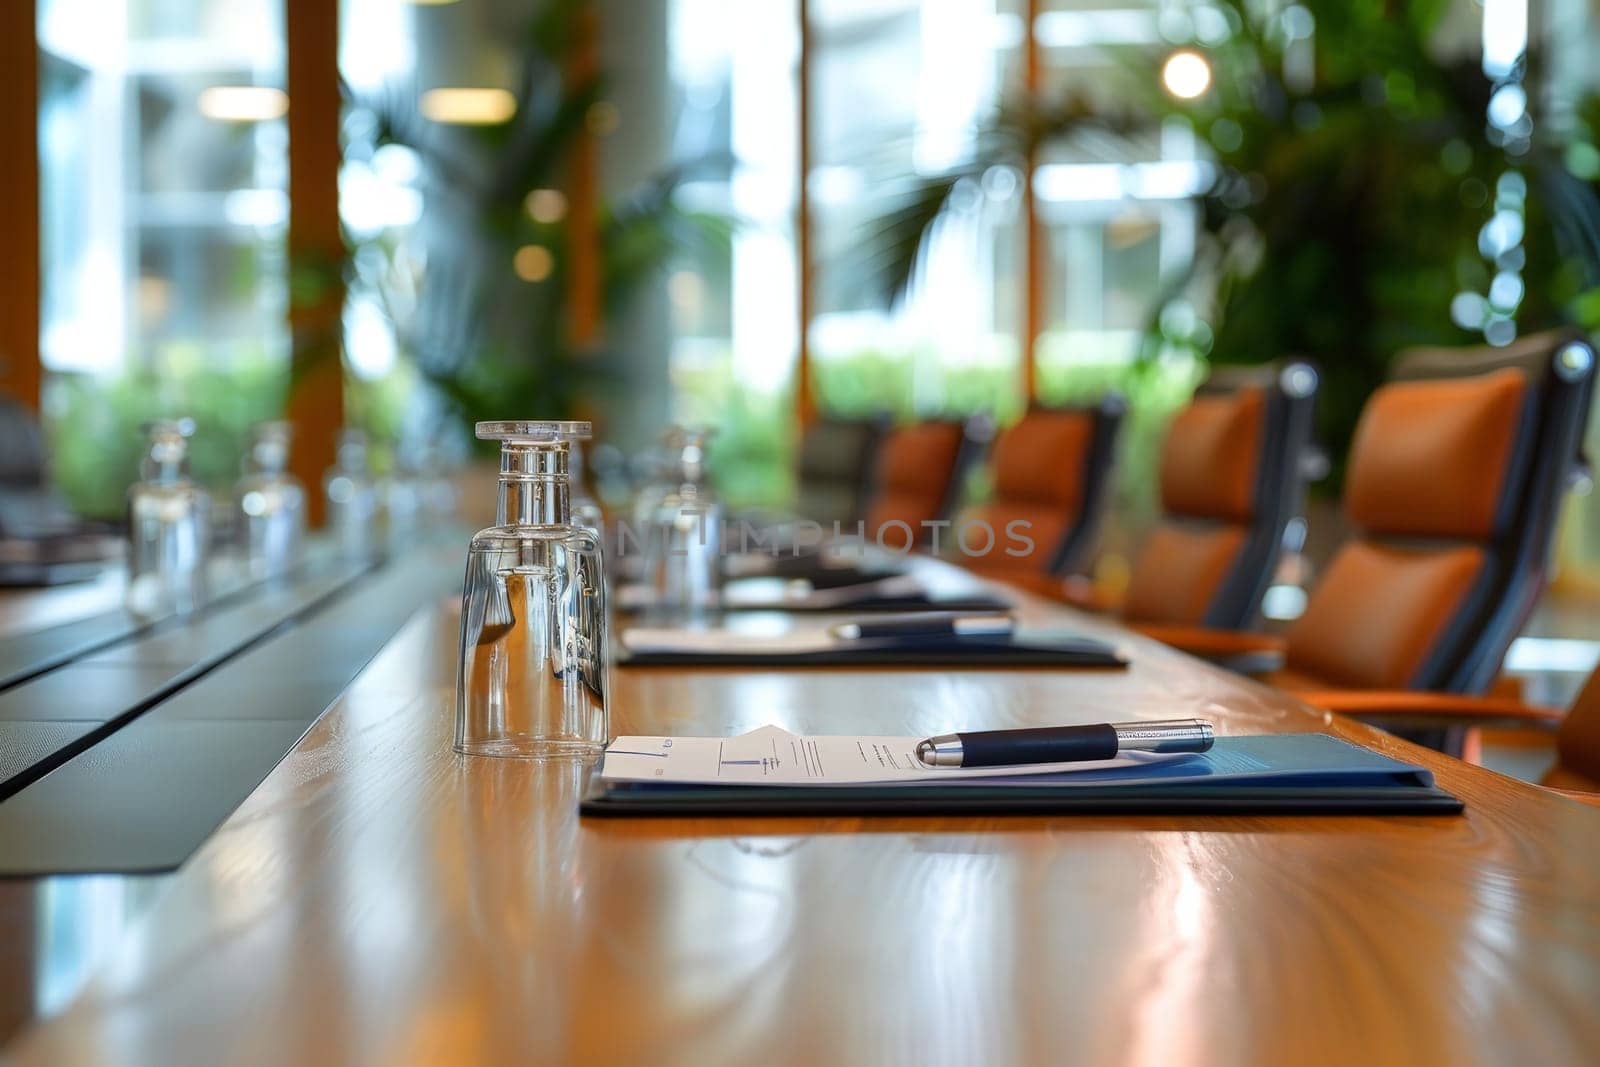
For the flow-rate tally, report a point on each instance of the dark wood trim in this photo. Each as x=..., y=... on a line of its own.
x=1032, y=238
x=805, y=405
x=316, y=243
x=20, y=372
x=585, y=300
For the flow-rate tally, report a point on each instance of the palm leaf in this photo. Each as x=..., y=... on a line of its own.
x=886, y=259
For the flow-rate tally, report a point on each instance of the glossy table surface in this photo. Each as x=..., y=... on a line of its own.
x=381, y=899
x=24, y=608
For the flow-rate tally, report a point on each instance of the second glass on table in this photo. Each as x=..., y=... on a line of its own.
x=169, y=527
x=683, y=543
x=352, y=497
x=272, y=503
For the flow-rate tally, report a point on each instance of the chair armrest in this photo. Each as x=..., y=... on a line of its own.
x=1211, y=644
x=1083, y=594
x=1077, y=591
x=1050, y=586
x=1407, y=708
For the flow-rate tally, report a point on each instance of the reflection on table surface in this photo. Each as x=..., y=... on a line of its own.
x=380, y=895
x=57, y=932
x=23, y=610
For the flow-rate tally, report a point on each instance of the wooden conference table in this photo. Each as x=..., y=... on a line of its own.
x=380, y=899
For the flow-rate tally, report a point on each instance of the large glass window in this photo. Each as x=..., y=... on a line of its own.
x=1118, y=225
x=933, y=73
x=164, y=165
x=734, y=318
x=381, y=203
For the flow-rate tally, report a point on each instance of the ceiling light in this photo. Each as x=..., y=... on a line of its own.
x=468, y=107
x=1186, y=74
x=243, y=103
x=533, y=263
x=546, y=205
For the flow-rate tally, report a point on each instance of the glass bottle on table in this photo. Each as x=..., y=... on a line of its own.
x=657, y=469
x=272, y=503
x=683, y=551
x=436, y=489
x=533, y=680
x=400, y=496
x=169, y=527
x=352, y=497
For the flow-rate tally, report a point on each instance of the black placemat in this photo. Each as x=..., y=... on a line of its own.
x=144, y=798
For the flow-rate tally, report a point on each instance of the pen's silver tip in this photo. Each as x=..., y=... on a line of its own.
x=941, y=751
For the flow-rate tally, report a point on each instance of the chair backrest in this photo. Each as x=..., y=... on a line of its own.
x=22, y=458
x=1455, y=479
x=834, y=464
x=1578, y=742
x=919, y=470
x=1231, y=479
x=1050, y=473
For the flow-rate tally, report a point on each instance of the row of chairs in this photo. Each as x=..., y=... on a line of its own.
x=1453, y=488
x=861, y=470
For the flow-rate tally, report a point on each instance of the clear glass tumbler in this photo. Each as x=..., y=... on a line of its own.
x=534, y=669
x=352, y=497
x=272, y=503
x=684, y=546
x=169, y=527
x=657, y=469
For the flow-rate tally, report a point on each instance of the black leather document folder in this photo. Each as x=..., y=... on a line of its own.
x=1288, y=774
x=632, y=799
x=1014, y=651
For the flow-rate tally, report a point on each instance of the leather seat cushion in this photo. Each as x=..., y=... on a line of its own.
x=1179, y=570
x=1041, y=459
x=1436, y=458
x=1031, y=546
x=1379, y=611
x=1211, y=455
x=915, y=468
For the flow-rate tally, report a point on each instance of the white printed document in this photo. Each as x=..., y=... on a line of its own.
x=774, y=756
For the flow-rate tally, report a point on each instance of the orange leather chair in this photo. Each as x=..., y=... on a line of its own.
x=919, y=473
x=1050, y=473
x=1577, y=731
x=1454, y=486
x=1231, y=479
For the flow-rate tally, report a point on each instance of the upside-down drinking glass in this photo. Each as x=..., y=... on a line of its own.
x=272, y=503
x=352, y=497
x=684, y=545
x=169, y=526
x=533, y=679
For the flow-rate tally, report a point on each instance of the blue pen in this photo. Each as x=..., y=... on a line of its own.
x=1064, y=744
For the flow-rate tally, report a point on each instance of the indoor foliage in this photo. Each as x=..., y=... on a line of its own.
x=1359, y=203
x=493, y=334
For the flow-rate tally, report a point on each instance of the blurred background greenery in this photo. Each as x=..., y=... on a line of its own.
x=1352, y=176
x=1362, y=194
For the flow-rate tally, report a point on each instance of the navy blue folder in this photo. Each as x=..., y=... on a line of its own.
x=1277, y=774
x=1025, y=650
